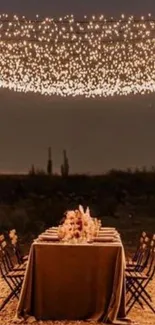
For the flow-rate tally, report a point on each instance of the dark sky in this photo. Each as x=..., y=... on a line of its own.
x=77, y=7
x=97, y=134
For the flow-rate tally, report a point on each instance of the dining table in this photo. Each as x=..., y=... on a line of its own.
x=68, y=281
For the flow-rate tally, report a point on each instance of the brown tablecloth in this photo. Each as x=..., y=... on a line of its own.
x=74, y=282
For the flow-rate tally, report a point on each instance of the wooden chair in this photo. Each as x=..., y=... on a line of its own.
x=16, y=248
x=142, y=259
x=137, y=282
x=139, y=250
x=13, y=277
x=11, y=256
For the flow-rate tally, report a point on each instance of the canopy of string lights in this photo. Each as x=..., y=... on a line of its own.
x=92, y=57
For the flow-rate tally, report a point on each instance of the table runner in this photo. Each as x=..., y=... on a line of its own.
x=74, y=282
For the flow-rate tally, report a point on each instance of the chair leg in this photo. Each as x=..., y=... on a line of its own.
x=133, y=294
x=135, y=299
x=11, y=295
x=140, y=294
x=14, y=293
x=142, y=289
x=145, y=300
x=13, y=288
x=6, y=300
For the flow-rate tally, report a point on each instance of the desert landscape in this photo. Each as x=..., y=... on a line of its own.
x=128, y=209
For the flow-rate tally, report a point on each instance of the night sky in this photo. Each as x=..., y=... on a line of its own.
x=97, y=134
x=78, y=7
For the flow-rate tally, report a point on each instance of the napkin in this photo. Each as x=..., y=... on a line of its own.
x=106, y=239
x=47, y=237
x=51, y=231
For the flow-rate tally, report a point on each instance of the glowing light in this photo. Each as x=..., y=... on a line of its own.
x=97, y=57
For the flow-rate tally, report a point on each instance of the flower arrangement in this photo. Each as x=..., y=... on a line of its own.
x=79, y=226
x=2, y=242
x=13, y=236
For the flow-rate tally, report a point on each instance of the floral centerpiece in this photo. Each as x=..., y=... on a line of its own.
x=79, y=226
x=13, y=236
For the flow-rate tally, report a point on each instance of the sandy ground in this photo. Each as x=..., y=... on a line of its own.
x=137, y=316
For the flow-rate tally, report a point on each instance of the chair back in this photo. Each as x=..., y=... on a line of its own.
x=6, y=261
x=151, y=263
x=14, y=243
x=143, y=254
x=142, y=240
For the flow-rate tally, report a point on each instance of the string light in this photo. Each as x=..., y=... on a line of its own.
x=96, y=57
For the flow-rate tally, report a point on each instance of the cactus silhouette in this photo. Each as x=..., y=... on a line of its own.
x=32, y=171
x=49, y=162
x=65, y=165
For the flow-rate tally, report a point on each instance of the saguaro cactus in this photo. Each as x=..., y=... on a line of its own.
x=32, y=171
x=49, y=162
x=65, y=165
